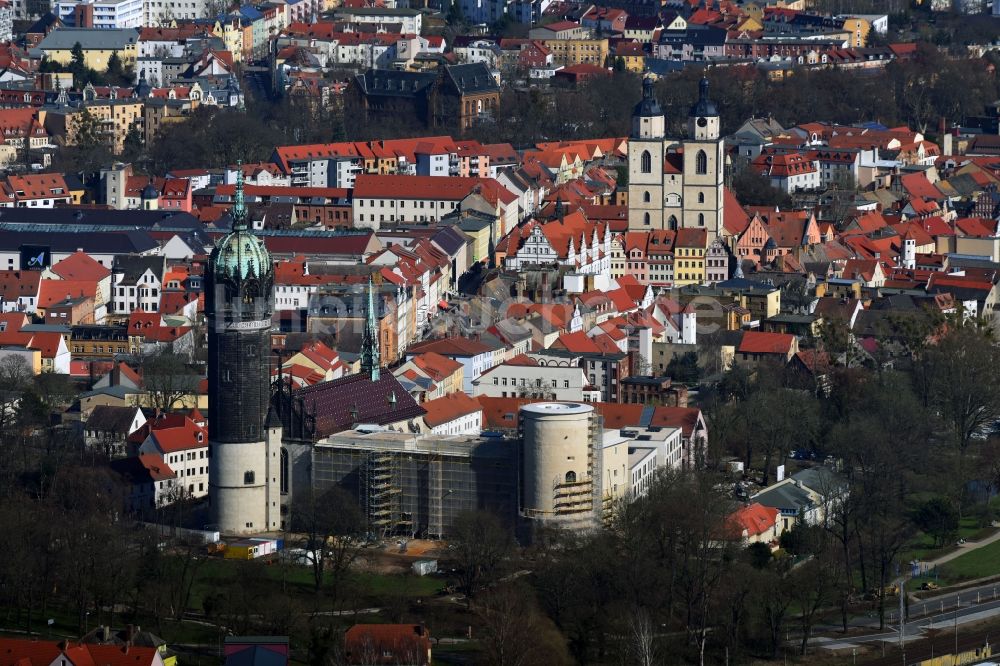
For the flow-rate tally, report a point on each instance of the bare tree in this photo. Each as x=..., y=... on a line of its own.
x=330, y=524
x=482, y=544
x=642, y=642
x=166, y=379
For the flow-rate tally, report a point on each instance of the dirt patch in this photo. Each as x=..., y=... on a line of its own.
x=392, y=559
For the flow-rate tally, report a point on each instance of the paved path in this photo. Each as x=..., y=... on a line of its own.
x=963, y=549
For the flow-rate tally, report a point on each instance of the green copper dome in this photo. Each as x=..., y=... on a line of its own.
x=240, y=258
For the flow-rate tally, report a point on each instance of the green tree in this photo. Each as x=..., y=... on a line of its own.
x=78, y=60
x=938, y=518
x=115, y=71
x=684, y=368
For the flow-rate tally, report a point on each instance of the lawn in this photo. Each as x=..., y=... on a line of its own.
x=978, y=563
x=922, y=546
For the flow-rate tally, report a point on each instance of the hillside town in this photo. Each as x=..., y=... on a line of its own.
x=507, y=332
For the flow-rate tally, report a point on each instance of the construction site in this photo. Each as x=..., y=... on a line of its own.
x=415, y=485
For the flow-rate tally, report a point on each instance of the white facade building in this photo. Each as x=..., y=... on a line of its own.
x=185, y=450
x=108, y=14
x=512, y=380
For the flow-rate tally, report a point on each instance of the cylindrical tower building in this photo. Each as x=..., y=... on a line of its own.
x=558, y=463
x=238, y=305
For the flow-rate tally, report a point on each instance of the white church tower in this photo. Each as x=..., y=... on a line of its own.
x=645, y=163
x=704, y=164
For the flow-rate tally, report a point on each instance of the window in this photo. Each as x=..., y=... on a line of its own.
x=248, y=478
x=570, y=477
x=701, y=197
x=701, y=162
x=701, y=219
x=284, y=471
x=645, y=197
x=645, y=219
x=646, y=162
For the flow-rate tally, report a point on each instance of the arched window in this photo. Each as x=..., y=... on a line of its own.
x=701, y=219
x=645, y=219
x=570, y=477
x=701, y=162
x=646, y=162
x=701, y=197
x=645, y=197
x=284, y=472
x=672, y=223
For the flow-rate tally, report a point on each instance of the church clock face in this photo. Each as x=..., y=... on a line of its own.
x=702, y=122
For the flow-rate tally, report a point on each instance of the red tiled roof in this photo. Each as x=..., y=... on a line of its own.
x=177, y=433
x=80, y=266
x=454, y=346
x=755, y=519
x=14, y=284
x=23, y=652
x=448, y=408
x=407, y=642
x=413, y=187
x=758, y=342
x=51, y=292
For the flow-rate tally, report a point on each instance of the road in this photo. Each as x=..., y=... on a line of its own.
x=962, y=550
x=938, y=614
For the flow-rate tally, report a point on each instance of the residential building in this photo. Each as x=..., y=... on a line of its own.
x=182, y=442
x=97, y=44
x=453, y=414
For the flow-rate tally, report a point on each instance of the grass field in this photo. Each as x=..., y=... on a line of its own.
x=922, y=546
x=978, y=563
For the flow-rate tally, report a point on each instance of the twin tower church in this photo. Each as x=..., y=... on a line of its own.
x=676, y=184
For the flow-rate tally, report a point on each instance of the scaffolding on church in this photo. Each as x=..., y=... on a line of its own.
x=381, y=485
x=435, y=472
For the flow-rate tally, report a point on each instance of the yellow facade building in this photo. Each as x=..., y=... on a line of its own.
x=98, y=45
x=569, y=52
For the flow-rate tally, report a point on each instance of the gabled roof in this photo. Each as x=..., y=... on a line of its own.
x=337, y=405
x=108, y=418
x=80, y=266
x=758, y=342
x=754, y=519
x=178, y=433
x=51, y=292
x=452, y=347
x=448, y=408
x=23, y=652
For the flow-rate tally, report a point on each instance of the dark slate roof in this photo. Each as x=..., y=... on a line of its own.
x=89, y=38
x=787, y=497
x=44, y=24
x=695, y=35
x=91, y=242
x=133, y=266
x=133, y=219
x=131, y=469
x=106, y=418
x=389, y=83
x=472, y=78
x=450, y=240
x=328, y=406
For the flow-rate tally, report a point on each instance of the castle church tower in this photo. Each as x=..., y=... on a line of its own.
x=704, y=167
x=645, y=163
x=239, y=301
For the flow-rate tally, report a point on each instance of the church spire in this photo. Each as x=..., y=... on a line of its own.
x=239, y=211
x=370, y=361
